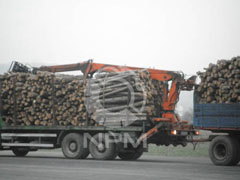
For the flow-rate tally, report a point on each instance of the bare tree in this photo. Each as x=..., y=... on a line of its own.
x=188, y=115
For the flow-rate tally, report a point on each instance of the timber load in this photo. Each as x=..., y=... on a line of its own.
x=42, y=99
x=220, y=82
x=109, y=98
x=124, y=98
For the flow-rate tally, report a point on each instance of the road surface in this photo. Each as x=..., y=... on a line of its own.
x=53, y=166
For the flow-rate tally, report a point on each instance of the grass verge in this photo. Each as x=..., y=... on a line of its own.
x=201, y=150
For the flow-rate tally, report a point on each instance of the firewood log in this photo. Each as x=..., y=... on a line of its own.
x=220, y=82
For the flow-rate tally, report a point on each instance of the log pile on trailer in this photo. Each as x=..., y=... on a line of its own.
x=47, y=99
x=124, y=97
x=42, y=99
x=220, y=83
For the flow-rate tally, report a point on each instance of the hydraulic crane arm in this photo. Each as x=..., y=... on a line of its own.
x=89, y=68
x=66, y=67
x=155, y=74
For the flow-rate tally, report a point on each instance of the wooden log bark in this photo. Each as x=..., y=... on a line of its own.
x=220, y=82
x=45, y=99
x=42, y=99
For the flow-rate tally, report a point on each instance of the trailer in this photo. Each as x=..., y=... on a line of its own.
x=224, y=121
x=103, y=142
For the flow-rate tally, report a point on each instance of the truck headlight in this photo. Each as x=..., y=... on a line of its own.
x=174, y=132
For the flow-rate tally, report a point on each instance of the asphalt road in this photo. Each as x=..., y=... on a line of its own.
x=52, y=165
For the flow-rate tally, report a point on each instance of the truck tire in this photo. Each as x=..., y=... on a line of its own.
x=223, y=151
x=137, y=153
x=20, y=152
x=101, y=149
x=73, y=146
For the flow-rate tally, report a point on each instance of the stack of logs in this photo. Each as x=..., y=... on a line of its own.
x=46, y=99
x=42, y=99
x=220, y=83
x=123, y=98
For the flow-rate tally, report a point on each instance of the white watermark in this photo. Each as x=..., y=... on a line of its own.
x=123, y=139
x=116, y=98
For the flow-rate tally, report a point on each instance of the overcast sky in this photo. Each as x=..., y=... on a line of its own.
x=183, y=35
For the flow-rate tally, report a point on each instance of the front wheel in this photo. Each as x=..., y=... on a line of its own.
x=224, y=151
x=20, y=152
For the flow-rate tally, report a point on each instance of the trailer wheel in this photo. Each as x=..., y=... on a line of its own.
x=223, y=151
x=132, y=155
x=73, y=146
x=20, y=152
x=101, y=148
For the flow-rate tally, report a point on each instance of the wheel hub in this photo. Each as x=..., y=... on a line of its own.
x=220, y=151
x=101, y=147
x=72, y=146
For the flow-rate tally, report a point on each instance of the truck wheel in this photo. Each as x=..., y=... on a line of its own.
x=101, y=149
x=137, y=153
x=20, y=152
x=223, y=151
x=73, y=146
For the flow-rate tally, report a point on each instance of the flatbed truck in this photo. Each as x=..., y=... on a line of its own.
x=126, y=142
